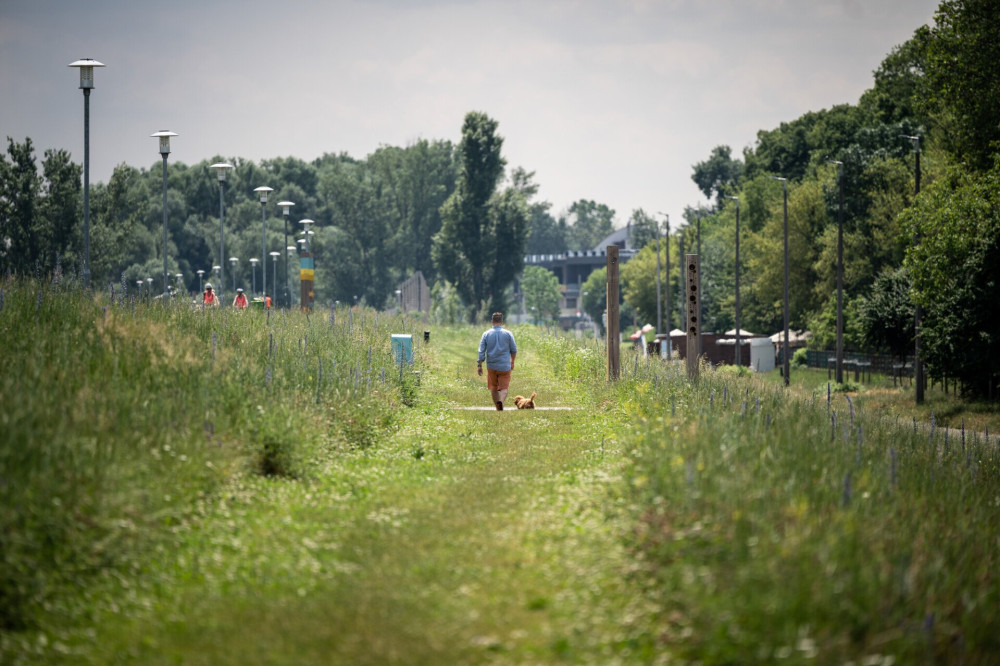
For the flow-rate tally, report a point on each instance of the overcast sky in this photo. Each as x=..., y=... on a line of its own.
x=610, y=100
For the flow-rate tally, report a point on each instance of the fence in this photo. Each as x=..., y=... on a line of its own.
x=861, y=365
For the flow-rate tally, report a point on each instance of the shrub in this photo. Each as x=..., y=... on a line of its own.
x=800, y=358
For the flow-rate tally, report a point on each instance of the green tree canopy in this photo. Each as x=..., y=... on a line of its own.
x=592, y=223
x=963, y=52
x=480, y=247
x=541, y=293
x=955, y=269
x=718, y=175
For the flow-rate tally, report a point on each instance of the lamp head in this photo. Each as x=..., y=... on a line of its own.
x=285, y=207
x=164, y=136
x=86, y=67
x=221, y=169
x=254, y=260
x=263, y=192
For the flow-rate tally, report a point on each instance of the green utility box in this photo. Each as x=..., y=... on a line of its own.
x=402, y=348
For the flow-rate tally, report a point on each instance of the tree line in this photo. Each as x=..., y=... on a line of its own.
x=939, y=248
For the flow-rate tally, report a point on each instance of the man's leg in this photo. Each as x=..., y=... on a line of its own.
x=503, y=383
x=492, y=382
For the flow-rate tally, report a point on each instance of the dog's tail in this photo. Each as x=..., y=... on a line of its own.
x=532, y=397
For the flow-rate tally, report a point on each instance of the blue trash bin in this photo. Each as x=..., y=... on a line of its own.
x=402, y=348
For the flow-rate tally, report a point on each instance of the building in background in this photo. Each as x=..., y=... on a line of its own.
x=572, y=268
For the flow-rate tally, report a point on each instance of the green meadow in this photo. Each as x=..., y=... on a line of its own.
x=217, y=487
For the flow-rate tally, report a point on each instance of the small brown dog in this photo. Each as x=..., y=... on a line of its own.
x=524, y=403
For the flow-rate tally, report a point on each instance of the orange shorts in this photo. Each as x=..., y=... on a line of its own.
x=497, y=380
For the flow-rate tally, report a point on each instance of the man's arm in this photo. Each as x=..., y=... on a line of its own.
x=513, y=355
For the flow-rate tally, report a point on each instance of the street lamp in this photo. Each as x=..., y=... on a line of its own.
x=232, y=262
x=739, y=351
x=200, y=273
x=286, y=207
x=263, y=191
x=86, y=67
x=784, y=189
x=918, y=366
x=149, y=286
x=839, y=372
x=180, y=280
x=659, y=311
x=306, y=233
x=221, y=169
x=164, y=137
x=254, y=260
x=274, y=273
x=399, y=299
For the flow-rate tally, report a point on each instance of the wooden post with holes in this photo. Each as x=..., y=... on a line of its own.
x=614, y=337
x=694, y=324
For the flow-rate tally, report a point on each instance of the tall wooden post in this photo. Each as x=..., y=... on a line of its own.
x=694, y=322
x=306, y=277
x=614, y=337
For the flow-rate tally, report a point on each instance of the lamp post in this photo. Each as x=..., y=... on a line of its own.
x=221, y=169
x=306, y=233
x=164, y=137
x=86, y=67
x=739, y=352
x=274, y=275
x=232, y=262
x=918, y=366
x=839, y=372
x=149, y=287
x=659, y=311
x=399, y=299
x=785, y=363
x=253, y=261
x=201, y=273
x=286, y=207
x=180, y=280
x=263, y=191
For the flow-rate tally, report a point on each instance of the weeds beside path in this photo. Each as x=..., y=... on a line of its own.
x=465, y=537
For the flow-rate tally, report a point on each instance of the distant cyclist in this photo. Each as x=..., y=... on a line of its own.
x=209, y=298
x=241, y=299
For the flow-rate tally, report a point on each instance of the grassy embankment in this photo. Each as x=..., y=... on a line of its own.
x=723, y=522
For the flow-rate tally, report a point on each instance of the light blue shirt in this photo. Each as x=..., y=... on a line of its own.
x=495, y=347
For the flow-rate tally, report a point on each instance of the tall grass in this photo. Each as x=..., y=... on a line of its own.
x=773, y=528
x=117, y=413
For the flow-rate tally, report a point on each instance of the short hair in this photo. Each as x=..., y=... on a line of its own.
x=497, y=317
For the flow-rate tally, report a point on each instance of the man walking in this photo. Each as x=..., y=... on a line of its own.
x=498, y=349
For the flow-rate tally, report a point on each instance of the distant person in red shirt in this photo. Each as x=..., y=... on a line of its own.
x=241, y=299
x=267, y=302
x=209, y=298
